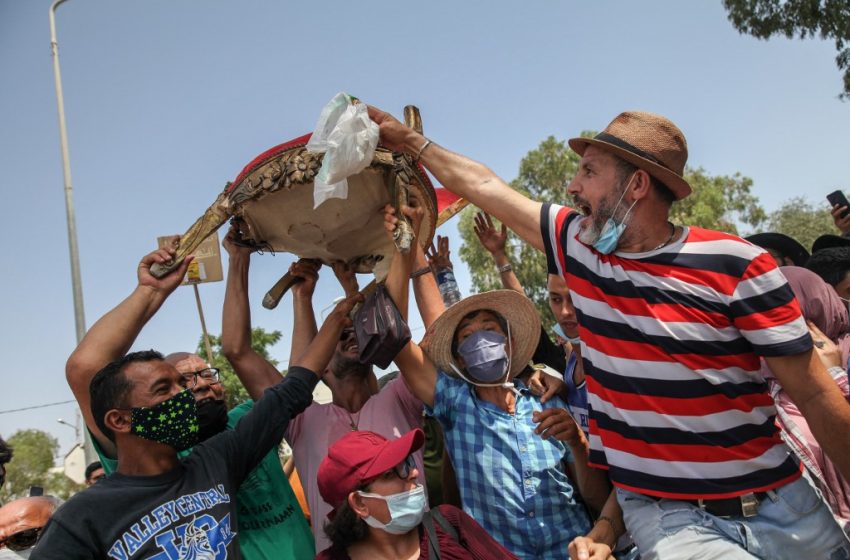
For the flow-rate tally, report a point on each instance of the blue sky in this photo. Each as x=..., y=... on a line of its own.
x=168, y=100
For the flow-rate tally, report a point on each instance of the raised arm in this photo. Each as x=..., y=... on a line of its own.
x=303, y=316
x=255, y=373
x=262, y=428
x=318, y=354
x=494, y=241
x=470, y=179
x=416, y=368
x=425, y=289
x=114, y=333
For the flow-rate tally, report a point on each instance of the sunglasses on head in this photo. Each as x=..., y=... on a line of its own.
x=22, y=540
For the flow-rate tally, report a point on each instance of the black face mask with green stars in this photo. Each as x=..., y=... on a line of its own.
x=173, y=422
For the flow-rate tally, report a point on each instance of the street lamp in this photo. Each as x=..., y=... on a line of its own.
x=79, y=315
x=75, y=428
x=76, y=284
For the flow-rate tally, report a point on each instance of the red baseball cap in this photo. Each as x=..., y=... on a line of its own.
x=359, y=456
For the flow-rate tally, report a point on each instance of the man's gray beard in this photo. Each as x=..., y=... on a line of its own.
x=596, y=221
x=591, y=232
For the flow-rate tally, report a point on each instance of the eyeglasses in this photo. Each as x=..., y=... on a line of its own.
x=210, y=375
x=402, y=471
x=22, y=540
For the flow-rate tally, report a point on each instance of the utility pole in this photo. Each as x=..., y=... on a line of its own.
x=79, y=314
x=76, y=283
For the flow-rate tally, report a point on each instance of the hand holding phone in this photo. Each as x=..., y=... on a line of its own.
x=840, y=211
x=837, y=198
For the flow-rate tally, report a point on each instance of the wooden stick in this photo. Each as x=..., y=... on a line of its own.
x=207, y=344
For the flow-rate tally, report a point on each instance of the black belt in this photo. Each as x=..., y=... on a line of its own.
x=739, y=506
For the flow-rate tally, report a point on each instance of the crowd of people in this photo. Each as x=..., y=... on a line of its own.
x=691, y=401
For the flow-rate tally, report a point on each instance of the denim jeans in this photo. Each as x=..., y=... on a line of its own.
x=792, y=522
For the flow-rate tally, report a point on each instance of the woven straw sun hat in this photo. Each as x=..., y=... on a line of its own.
x=515, y=308
x=651, y=142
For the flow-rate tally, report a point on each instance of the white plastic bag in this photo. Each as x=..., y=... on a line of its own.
x=348, y=138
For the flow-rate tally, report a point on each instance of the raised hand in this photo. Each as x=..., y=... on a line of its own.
x=342, y=311
x=843, y=224
x=393, y=134
x=439, y=257
x=170, y=281
x=493, y=240
x=347, y=277
x=415, y=213
x=307, y=271
x=234, y=244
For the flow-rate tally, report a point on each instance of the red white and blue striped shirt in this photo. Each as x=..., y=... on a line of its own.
x=671, y=341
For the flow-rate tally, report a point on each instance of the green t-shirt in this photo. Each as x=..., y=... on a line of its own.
x=271, y=524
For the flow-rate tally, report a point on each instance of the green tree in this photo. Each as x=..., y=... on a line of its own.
x=827, y=19
x=716, y=202
x=31, y=464
x=261, y=341
x=543, y=175
x=802, y=220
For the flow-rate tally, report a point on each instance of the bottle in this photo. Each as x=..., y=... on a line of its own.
x=448, y=287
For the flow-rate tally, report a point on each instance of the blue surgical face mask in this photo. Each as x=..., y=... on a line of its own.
x=612, y=231
x=559, y=331
x=485, y=355
x=406, y=510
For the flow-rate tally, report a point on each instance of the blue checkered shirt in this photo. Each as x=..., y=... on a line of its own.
x=511, y=480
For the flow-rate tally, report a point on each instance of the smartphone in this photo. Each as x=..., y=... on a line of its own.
x=837, y=198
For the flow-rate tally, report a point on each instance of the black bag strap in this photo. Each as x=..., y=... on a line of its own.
x=433, y=544
x=445, y=525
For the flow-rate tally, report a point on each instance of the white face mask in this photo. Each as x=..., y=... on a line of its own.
x=406, y=510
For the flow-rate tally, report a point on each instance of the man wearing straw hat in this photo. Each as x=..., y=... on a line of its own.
x=673, y=322
x=507, y=447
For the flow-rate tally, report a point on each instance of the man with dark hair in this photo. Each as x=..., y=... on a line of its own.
x=94, y=473
x=357, y=402
x=833, y=265
x=157, y=505
x=674, y=321
x=271, y=522
x=5, y=457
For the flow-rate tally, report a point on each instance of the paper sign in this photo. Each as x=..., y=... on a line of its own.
x=207, y=264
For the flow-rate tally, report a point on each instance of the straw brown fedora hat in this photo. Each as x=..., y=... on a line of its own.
x=522, y=317
x=651, y=142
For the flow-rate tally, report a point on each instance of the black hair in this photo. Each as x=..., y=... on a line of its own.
x=110, y=387
x=92, y=467
x=831, y=264
x=5, y=452
x=501, y=320
x=625, y=168
x=346, y=528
